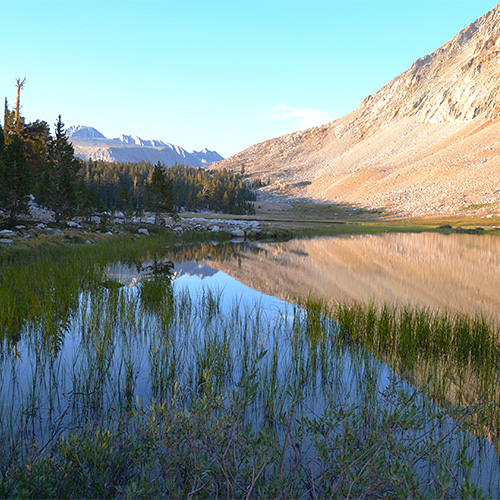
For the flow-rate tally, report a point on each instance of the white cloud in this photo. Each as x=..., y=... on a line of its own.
x=303, y=117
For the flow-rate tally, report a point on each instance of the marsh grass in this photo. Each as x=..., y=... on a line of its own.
x=117, y=392
x=409, y=335
x=459, y=353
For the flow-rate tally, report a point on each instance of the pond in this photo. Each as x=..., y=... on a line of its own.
x=240, y=369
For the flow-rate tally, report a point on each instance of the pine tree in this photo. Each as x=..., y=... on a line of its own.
x=8, y=122
x=2, y=164
x=2, y=143
x=15, y=178
x=36, y=137
x=161, y=196
x=60, y=182
x=125, y=202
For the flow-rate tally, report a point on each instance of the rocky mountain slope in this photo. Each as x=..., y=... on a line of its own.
x=90, y=143
x=428, y=142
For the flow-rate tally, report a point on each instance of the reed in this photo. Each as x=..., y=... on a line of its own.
x=408, y=334
x=459, y=353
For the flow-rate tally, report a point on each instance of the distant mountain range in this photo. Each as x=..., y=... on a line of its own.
x=428, y=142
x=89, y=143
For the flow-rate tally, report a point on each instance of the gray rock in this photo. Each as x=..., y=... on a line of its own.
x=5, y=241
x=58, y=232
x=215, y=229
x=7, y=232
x=143, y=230
x=238, y=233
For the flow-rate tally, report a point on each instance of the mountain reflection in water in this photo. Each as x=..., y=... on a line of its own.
x=456, y=273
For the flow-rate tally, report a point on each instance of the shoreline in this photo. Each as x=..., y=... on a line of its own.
x=33, y=234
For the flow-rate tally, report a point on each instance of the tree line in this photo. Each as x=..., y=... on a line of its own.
x=124, y=186
x=35, y=162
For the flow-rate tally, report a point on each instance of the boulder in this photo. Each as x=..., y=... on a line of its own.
x=238, y=233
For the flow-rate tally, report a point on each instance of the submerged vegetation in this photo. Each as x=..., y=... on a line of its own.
x=154, y=390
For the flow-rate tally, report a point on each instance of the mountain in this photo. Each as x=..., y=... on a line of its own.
x=428, y=142
x=82, y=132
x=90, y=143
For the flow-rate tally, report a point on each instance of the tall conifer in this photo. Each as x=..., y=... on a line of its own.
x=60, y=184
x=36, y=137
x=161, y=196
x=15, y=178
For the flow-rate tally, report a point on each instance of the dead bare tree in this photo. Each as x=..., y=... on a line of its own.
x=20, y=84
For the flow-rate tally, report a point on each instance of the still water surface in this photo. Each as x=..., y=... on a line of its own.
x=456, y=273
x=452, y=273
x=244, y=280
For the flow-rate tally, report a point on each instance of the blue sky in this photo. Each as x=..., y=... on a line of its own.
x=220, y=74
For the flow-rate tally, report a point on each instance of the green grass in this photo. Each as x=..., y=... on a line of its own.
x=476, y=206
x=339, y=228
x=459, y=353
